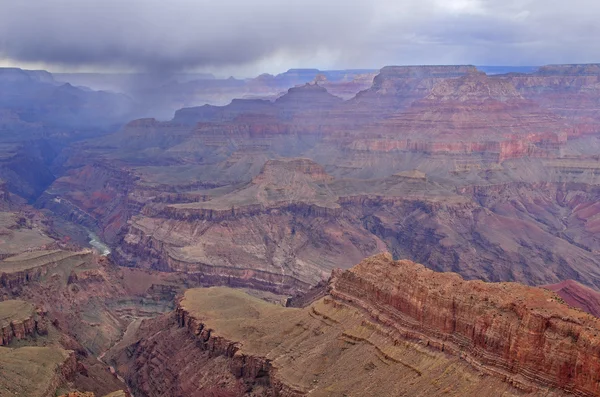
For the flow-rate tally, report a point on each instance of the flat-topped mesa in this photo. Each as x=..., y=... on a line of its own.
x=274, y=169
x=572, y=91
x=396, y=87
x=294, y=184
x=523, y=334
x=555, y=86
x=229, y=112
x=36, y=371
x=27, y=267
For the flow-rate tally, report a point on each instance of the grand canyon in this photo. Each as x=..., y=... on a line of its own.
x=421, y=230
x=417, y=230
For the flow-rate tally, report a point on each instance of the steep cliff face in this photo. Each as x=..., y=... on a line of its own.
x=29, y=267
x=71, y=301
x=385, y=326
x=19, y=320
x=95, y=196
x=267, y=350
x=508, y=329
x=476, y=113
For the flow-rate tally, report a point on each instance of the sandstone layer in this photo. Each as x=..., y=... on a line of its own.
x=224, y=342
x=520, y=333
x=384, y=327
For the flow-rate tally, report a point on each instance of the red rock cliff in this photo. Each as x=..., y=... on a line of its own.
x=523, y=334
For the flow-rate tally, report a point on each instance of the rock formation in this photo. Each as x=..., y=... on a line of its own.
x=409, y=326
x=396, y=87
x=506, y=328
x=24, y=268
x=572, y=91
x=19, y=320
x=493, y=177
x=35, y=371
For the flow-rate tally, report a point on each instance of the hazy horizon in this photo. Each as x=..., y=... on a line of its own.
x=238, y=38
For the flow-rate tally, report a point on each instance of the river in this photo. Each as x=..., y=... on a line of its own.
x=98, y=244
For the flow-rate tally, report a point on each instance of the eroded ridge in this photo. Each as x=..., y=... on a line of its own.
x=383, y=327
x=523, y=334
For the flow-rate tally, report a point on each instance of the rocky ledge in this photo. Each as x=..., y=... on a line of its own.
x=525, y=335
x=45, y=369
x=384, y=327
x=22, y=269
x=18, y=320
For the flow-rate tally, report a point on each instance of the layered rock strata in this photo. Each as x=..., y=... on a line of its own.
x=415, y=331
x=28, y=267
x=521, y=334
x=226, y=343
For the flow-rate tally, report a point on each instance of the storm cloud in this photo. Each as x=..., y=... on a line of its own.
x=200, y=34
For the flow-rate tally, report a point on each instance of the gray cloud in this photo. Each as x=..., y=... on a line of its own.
x=187, y=34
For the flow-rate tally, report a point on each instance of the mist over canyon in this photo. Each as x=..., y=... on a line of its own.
x=409, y=230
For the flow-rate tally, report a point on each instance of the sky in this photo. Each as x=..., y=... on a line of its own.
x=248, y=37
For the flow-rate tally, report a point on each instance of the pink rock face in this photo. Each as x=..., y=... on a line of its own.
x=572, y=91
x=477, y=114
x=509, y=329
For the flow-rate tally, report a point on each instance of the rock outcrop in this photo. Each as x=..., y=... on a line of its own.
x=35, y=371
x=19, y=320
x=522, y=334
x=19, y=270
x=396, y=87
x=572, y=91
x=409, y=326
x=327, y=349
x=476, y=114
